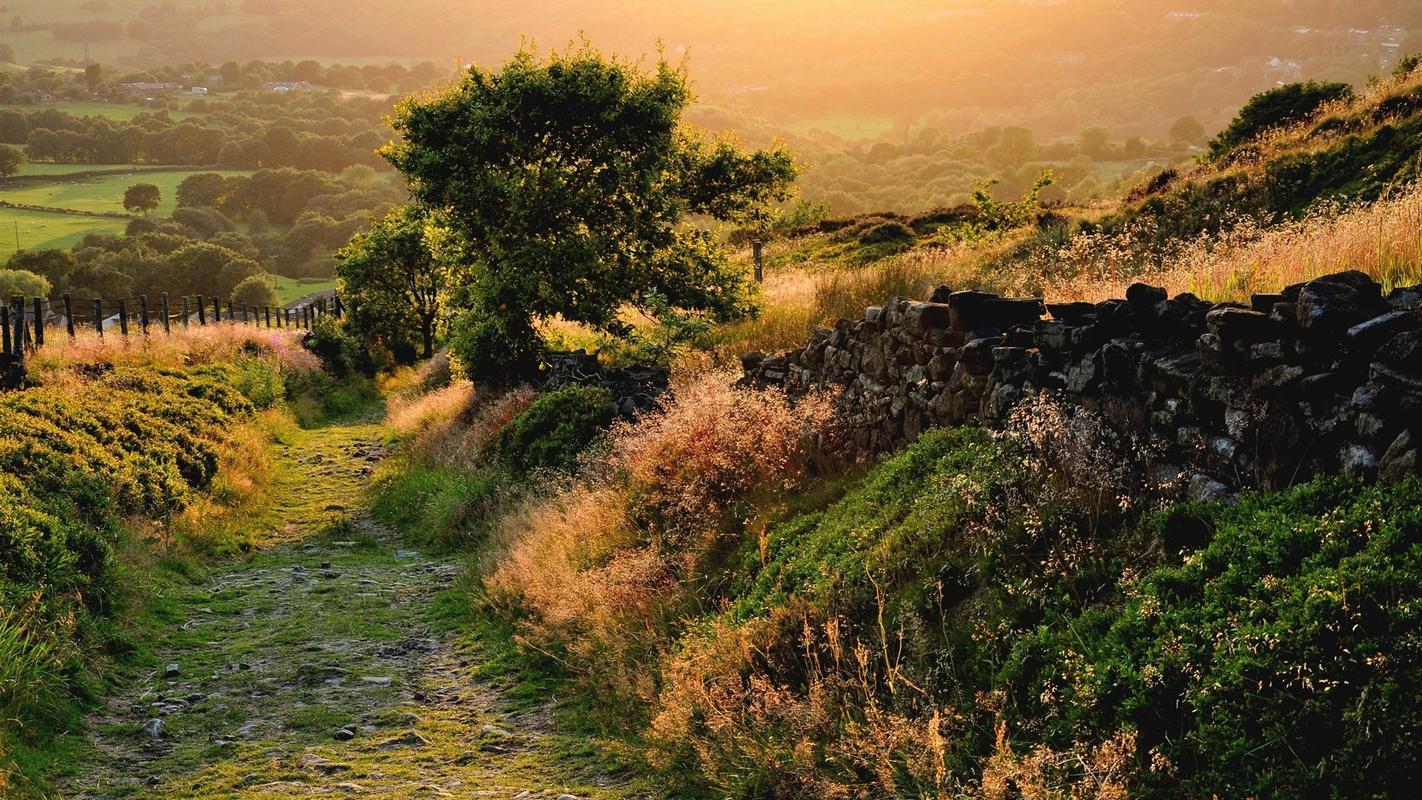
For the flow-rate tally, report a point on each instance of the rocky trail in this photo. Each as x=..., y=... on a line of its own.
x=316, y=668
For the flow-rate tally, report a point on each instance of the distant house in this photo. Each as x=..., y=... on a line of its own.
x=198, y=90
x=283, y=87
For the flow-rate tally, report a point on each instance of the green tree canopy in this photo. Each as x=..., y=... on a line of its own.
x=1187, y=130
x=256, y=291
x=569, y=180
x=395, y=276
x=10, y=161
x=24, y=284
x=142, y=197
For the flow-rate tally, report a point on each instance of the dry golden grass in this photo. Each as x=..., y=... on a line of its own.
x=634, y=534
x=795, y=299
x=450, y=427
x=182, y=348
x=1382, y=239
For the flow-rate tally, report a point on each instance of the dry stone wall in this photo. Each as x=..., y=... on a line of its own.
x=1324, y=377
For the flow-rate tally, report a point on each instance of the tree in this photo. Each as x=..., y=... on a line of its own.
x=1095, y=142
x=18, y=282
x=256, y=291
x=394, y=278
x=54, y=266
x=566, y=182
x=1014, y=146
x=202, y=189
x=142, y=197
x=93, y=77
x=10, y=161
x=1276, y=108
x=1187, y=130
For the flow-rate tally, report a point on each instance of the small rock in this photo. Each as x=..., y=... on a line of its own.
x=409, y=739
x=1204, y=489
x=376, y=681
x=153, y=729
x=406, y=554
x=170, y=671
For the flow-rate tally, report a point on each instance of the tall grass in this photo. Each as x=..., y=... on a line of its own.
x=184, y=347
x=643, y=531
x=1382, y=238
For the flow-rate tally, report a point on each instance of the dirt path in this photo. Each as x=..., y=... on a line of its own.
x=314, y=669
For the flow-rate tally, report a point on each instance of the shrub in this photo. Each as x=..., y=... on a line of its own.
x=892, y=231
x=1277, y=661
x=1284, y=105
x=554, y=431
x=338, y=351
x=495, y=352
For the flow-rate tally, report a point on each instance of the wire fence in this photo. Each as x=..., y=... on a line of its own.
x=26, y=324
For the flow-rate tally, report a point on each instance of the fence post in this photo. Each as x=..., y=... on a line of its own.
x=69, y=314
x=167, y=320
x=39, y=321
x=99, y=316
x=340, y=307
x=245, y=320
x=216, y=310
x=123, y=317
x=758, y=249
x=267, y=312
x=186, y=312
x=231, y=317
x=5, y=347
x=202, y=310
x=143, y=313
x=17, y=318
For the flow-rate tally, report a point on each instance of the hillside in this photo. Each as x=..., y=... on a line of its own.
x=1100, y=481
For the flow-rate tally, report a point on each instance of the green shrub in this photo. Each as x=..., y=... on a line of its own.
x=339, y=352
x=1281, y=660
x=495, y=352
x=555, y=430
x=1280, y=106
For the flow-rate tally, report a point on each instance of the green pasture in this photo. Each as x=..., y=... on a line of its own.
x=43, y=230
x=41, y=168
x=104, y=193
x=291, y=289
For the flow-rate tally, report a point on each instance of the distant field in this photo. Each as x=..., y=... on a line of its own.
x=121, y=112
x=41, y=168
x=102, y=193
x=846, y=126
x=291, y=289
x=40, y=230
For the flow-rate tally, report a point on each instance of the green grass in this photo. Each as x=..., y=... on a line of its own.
x=104, y=193
x=41, y=168
x=40, y=230
x=291, y=289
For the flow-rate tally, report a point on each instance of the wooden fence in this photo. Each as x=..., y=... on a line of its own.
x=24, y=325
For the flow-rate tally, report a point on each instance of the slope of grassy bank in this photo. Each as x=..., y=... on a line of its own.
x=981, y=615
x=126, y=466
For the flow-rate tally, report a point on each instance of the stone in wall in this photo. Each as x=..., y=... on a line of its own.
x=634, y=389
x=1322, y=377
